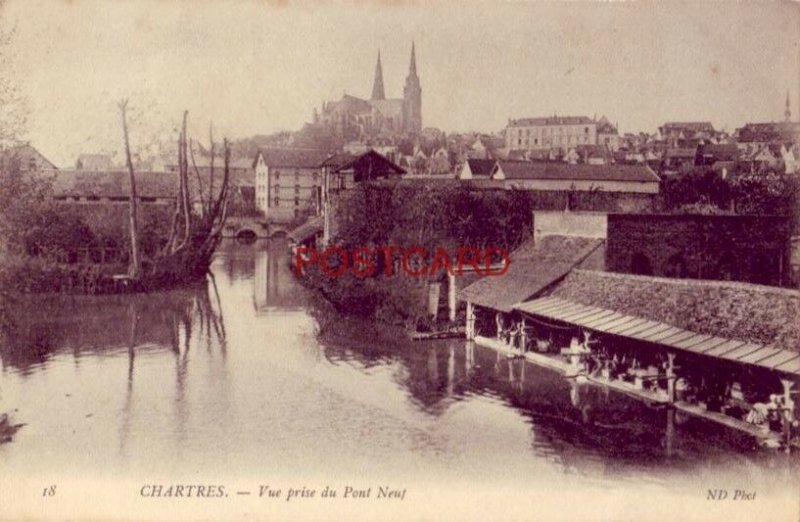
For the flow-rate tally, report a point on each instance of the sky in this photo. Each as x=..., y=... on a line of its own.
x=256, y=67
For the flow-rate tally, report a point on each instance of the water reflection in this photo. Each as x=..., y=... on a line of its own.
x=252, y=372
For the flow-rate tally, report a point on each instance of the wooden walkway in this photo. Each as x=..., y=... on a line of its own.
x=763, y=436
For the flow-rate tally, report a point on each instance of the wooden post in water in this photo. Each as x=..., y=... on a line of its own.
x=470, y=326
x=787, y=412
x=671, y=377
x=451, y=297
x=433, y=298
x=669, y=435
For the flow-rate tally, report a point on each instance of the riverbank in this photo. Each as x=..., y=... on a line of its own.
x=765, y=437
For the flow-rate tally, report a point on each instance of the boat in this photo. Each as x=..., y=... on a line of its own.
x=455, y=332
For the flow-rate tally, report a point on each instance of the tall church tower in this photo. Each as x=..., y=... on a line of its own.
x=377, y=85
x=412, y=97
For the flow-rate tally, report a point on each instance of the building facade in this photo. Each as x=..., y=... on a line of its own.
x=288, y=182
x=556, y=132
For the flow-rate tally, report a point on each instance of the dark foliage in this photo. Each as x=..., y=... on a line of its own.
x=426, y=215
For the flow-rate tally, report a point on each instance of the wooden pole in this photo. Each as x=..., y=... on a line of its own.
x=470, y=326
x=451, y=297
x=671, y=377
x=135, y=263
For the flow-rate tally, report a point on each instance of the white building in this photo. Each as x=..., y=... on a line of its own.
x=556, y=132
x=288, y=182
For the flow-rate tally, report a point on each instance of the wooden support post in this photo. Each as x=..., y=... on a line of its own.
x=671, y=377
x=451, y=297
x=470, y=326
x=669, y=437
x=433, y=298
x=522, y=337
x=451, y=369
x=788, y=411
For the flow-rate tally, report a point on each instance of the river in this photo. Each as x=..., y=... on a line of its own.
x=250, y=376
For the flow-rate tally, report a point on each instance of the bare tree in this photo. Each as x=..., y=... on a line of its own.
x=135, y=263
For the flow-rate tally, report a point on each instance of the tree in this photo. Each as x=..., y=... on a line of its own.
x=135, y=262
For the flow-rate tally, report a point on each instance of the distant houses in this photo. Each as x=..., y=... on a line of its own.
x=26, y=158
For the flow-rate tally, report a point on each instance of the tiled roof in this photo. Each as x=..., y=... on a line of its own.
x=350, y=105
x=111, y=184
x=534, y=267
x=633, y=326
x=746, y=312
x=370, y=165
x=685, y=153
x=694, y=126
x=203, y=162
x=721, y=152
x=550, y=120
x=481, y=167
x=293, y=158
x=566, y=171
x=338, y=159
x=24, y=153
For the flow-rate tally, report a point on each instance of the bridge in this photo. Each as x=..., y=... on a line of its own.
x=252, y=227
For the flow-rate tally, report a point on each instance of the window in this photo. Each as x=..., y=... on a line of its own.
x=296, y=202
x=586, y=130
x=277, y=201
x=277, y=188
x=297, y=189
x=277, y=175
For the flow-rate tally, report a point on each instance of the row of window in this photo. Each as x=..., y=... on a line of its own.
x=276, y=174
x=553, y=131
x=558, y=140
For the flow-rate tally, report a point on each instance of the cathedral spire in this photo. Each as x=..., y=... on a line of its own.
x=412, y=68
x=377, y=86
x=412, y=97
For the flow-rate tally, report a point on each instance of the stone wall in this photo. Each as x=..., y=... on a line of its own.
x=571, y=224
x=738, y=248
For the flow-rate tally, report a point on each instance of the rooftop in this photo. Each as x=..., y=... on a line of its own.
x=293, y=158
x=757, y=314
x=534, y=267
x=550, y=120
x=481, y=167
x=577, y=172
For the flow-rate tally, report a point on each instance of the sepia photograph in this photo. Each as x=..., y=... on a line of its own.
x=372, y=260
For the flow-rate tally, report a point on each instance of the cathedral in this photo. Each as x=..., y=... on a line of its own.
x=357, y=118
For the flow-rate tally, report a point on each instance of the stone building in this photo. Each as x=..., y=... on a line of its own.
x=556, y=132
x=356, y=118
x=288, y=182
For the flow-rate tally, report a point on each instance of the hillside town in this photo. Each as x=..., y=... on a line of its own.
x=661, y=265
